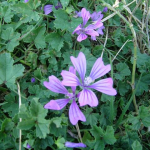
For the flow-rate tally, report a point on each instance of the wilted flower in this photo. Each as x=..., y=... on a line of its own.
x=98, y=70
x=32, y=80
x=83, y=31
x=74, y=145
x=56, y=86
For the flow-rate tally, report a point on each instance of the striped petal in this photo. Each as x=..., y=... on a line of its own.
x=87, y=97
x=99, y=69
x=105, y=86
x=55, y=85
x=56, y=104
x=81, y=37
x=69, y=79
x=75, y=114
x=72, y=70
x=80, y=64
x=85, y=16
x=48, y=9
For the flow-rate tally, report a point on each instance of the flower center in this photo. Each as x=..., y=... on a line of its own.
x=88, y=81
x=70, y=95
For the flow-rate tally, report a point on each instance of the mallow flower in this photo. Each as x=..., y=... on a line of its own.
x=56, y=86
x=83, y=31
x=87, y=96
x=74, y=145
x=96, y=17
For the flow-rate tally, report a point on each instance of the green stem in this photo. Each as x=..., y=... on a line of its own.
x=79, y=134
x=128, y=104
x=74, y=5
x=25, y=35
x=130, y=25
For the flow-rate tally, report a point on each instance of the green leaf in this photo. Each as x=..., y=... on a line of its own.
x=28, y=10
x=8, y=71
x=122, y=71
x=37, y=109
x=136, y=145
x=42, y=128
x=26, y=124
x=123, y=88
x=12, y=106
x=91, y=118
x=11, y=38
x=6, y=13
x=60, y=143
x=61, y=21
x=64, y=3
x=103, y=137
x=40, y=38
x=109, y=137
x=55, y=40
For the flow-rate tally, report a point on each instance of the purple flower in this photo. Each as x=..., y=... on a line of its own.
x=95, y=16
x=28, y=146
x=25, y=1
x=32, y=80
x=58, y=6
x=87, y=97
x=83, y=31
x=48, y=9
x=74, y=145
x=56, y=86
x=105, y=9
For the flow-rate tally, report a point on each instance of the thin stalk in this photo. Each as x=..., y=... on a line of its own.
x=79, y=134
x=120, y=50
x=25, y=35
x=105, y=42
x=20, y=132
x=111, y=98
x=130, y=25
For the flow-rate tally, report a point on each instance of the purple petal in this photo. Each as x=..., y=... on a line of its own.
x=92, y=33
x=32, y=80
x=87, y=97
x=85, y=16
x=28, y=146
x=78, y=30
x=25, y=1
x=57, y=104
x=100, y=30
x=75, y=114
x=58, y=6
x=81, y=37
x=48, y=9
x=105, y=86
x=69, y=79
x=105, y=9
x=80, y=64
x=55, y=85
x=78, y=14
x=99, y=69
x=72, y=70
x=96, y=25
x=96, y=16
x=74, y=145
x=93, y=38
